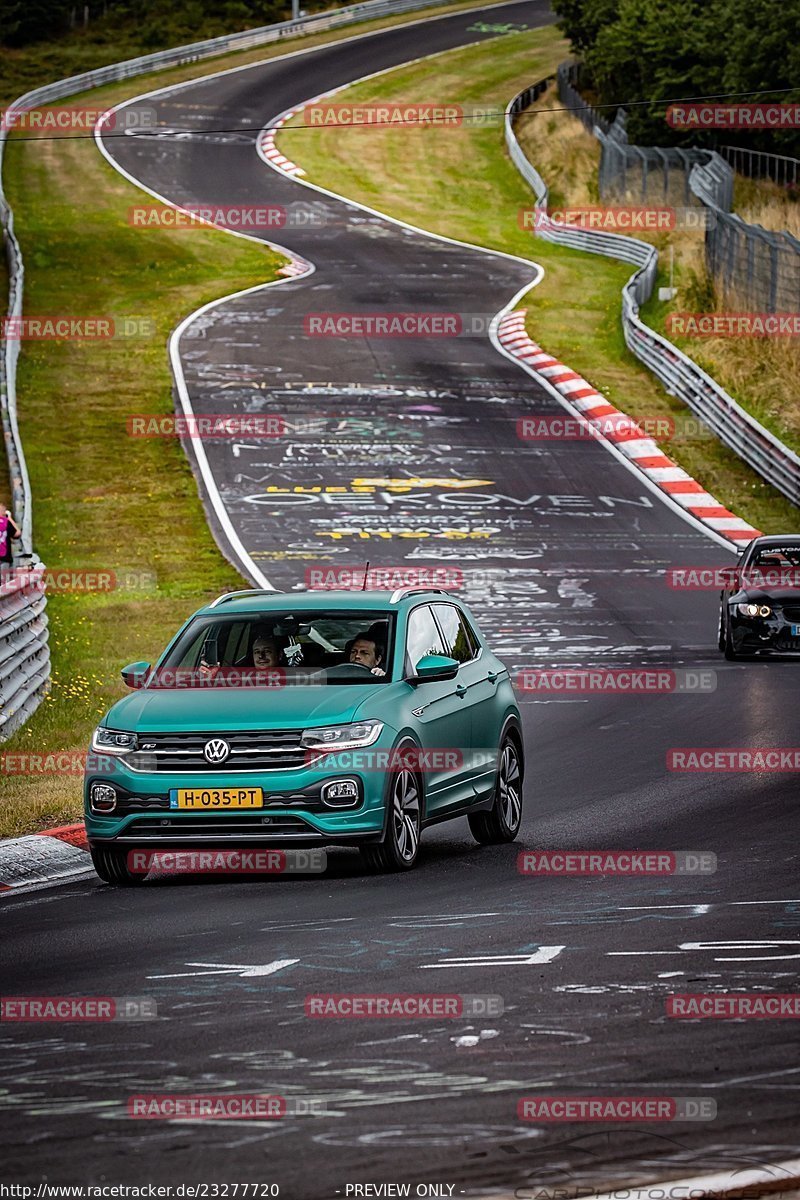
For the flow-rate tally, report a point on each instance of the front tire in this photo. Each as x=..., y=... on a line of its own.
x=399, y=847
x=729, y=651
x=501, y=823
x=721, y=632
x=111, y=864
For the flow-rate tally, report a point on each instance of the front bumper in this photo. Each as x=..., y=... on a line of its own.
x=293, y=813
x=763, y=635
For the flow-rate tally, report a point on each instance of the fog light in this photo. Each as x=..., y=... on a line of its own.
x=102, y=798
x=342, y=793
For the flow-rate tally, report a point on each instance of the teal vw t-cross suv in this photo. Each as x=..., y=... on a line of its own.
x=308, y=719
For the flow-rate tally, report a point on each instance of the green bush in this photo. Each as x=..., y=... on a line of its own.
x=664, y=50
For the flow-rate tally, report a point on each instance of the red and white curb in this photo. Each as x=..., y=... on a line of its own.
x=643, y=452
x=295, y=266
x=267, y=147
x=46, y=857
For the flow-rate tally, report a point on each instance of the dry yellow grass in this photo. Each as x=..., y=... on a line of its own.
x=761, y=373
x=763, y=203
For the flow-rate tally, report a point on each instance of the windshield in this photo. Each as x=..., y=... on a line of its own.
x=773, y=566
x=786, y=556
x=282, y=647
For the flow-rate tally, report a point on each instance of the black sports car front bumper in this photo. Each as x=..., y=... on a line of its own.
x=778, y=633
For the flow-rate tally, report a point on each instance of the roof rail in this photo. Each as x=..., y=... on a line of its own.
x=401, y=592
x=246, y=592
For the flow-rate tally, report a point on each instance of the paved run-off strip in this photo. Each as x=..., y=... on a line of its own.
x=47, y=857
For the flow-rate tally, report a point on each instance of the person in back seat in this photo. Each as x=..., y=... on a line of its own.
x=266, y=652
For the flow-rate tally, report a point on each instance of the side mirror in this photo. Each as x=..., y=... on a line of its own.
x=134, y=675
x=433, y=667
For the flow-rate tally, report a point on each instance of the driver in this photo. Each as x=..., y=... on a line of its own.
x=367, y=652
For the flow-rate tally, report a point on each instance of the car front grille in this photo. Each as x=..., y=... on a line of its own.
x=240, y=825
x=792, y=613
x=784, y=642
x=275, y=749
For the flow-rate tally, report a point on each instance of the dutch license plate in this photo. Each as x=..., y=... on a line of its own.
x=796, y=631
x=207, y=798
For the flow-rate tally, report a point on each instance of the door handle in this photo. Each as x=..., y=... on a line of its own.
x=493, y=676
x=461, y=691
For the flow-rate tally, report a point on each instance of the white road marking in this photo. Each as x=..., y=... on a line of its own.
x=746, y=944
x=25, y=889
x=449, y=917
x=715, y=904
x=545, y=954
x=757, y=944
x=762, y=944
x=321, y=924
x=443, y=922
x=243, y=970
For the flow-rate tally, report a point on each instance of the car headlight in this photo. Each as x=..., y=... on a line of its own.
x=112, y=741
x=754, y=610
x=342, y=737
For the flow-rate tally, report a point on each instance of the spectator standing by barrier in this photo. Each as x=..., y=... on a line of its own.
x=8, y=529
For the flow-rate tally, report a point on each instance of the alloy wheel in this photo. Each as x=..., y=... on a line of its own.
x=509, y=783
x=406, y=815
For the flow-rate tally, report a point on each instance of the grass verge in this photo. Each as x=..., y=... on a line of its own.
x=101, y=499
x=473, y=192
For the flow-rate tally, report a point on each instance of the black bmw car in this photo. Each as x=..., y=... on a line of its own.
x=760, y=603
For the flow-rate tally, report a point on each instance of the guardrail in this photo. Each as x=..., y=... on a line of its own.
x=757, y=267
x=759, y=164
x=24, y=646
x=24, y=653
x=754, y=267
x=568, y=75
x=24, y=649
x=682, y=377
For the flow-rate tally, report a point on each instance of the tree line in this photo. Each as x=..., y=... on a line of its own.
x=662, y=50
x=154, y=23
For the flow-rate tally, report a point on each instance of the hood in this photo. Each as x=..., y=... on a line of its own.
x=776, y=595
x=230, y=709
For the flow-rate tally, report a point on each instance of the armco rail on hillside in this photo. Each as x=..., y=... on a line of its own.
x=24, y=646
x=756, y=268
x=24, y=653
x=682, y=377
x=24, y=650
x=759, y=164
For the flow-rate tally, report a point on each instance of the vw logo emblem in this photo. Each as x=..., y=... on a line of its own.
x=216, y=751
